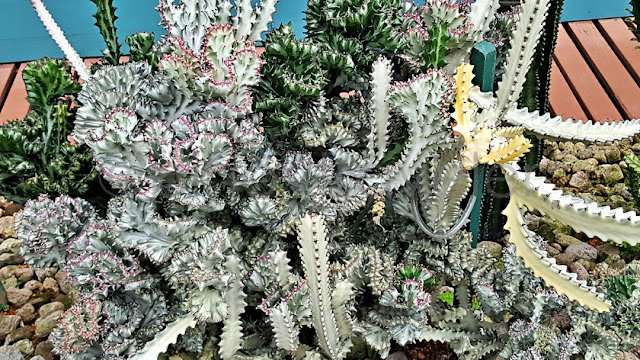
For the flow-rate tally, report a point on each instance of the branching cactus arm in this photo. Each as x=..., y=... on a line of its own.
x=523, y=46
x=381, y=82
x=342, y=293
x=590, y=218
x=58, y=36
x=532, y=192
x=312, y=235
x=252, y=23
x=422, y=101
x=163, y=339
x=192, y=19
x=231, y=340
x=556, y=128
x=545, y=267
x=481, y=14
x=480, y=17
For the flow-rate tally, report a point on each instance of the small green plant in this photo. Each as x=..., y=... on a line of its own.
x=4, y=307
x=141, y=48
x=446, y=297
x=620, y=288
x=627, y=249
x=632, y=178
x=634, y=20
x=475, y=304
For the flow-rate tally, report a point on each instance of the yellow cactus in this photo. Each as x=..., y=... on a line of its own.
x=483, y=144
x=507, y=152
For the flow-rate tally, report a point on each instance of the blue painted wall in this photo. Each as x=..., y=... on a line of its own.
x=22, y=36
x=576, y=10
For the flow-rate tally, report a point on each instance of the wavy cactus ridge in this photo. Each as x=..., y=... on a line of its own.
x=522, y=49
x=588, y=217
x=533, y=192
x=556, y=276
x=557, y=128
x=168, y=336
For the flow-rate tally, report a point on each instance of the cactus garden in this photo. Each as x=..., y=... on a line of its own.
x=237, y=190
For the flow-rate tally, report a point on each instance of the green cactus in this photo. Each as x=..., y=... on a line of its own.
x=35, y=155
x=446, y=297
x=620, y=288
x=141, y=48
x=105, y=21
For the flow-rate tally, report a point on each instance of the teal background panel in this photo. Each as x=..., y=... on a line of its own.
x=576, y=10
x=23, y=37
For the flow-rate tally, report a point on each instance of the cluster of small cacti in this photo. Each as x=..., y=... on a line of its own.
x=319, y=190
x=35, y=155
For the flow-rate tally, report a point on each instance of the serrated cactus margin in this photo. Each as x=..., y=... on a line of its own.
x=163, y=339
x=532, y=192
x=523, y=45
x=556, y=128
x=312, y=235
x=587, y=217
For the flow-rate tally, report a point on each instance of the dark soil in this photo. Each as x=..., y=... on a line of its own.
x=431, y=350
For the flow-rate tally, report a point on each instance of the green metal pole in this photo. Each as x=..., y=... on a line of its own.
x=483, y=59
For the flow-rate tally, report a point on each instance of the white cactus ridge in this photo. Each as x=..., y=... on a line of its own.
x=58, y=36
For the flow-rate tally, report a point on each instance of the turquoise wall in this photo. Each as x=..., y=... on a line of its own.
x=22, y=36
x=576, y=10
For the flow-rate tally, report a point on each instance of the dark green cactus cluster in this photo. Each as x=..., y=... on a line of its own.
x=141, y=47
x=344, y=38
x=620, y=288
x=35, y=154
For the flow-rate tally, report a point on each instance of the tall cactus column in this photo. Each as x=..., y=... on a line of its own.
x=483, y=58
x=535, y=94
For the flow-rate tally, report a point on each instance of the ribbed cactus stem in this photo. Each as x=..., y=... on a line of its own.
x=58, y=36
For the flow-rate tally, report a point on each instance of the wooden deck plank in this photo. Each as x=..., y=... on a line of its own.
x=608, y=68
x=585, y=85
x=16, y=106
x=7, y=74
x=561, y=98
x=91, y=61
x=619, y=37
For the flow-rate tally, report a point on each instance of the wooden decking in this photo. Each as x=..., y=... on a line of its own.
x=595, y=75
x=596, y=71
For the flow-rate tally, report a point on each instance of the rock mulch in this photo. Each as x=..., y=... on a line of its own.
x=37, y=298
x=592, y=172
